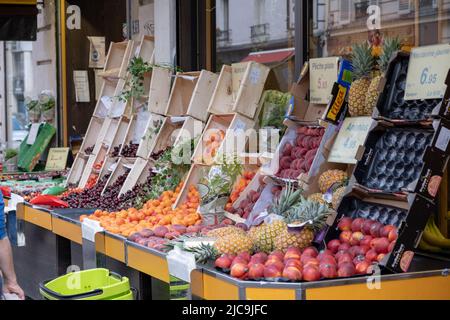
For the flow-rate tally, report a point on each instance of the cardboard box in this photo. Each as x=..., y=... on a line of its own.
x=409, y=215
x=239, y=92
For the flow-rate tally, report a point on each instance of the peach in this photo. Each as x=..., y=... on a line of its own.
x=380, y=257
x=328, y=271
x=292, y=273
x=362, y=267
x=357, y=224
x=239, y=270
x=371, y=255
x=293, y=263
x=261, y=255
x=256, y=271
x=384, y=232
x=310, y=251
x=278, y=254
x=313, y=262
x=375, y=229
x=311, y=274
x=276, y=264
x=366, y=241
x=366, y=226
x=393, y=235
x=223, y=262
x=381, y=245
x=345, y=236
x=333, y=245
x=272, y=271
x=245, y=255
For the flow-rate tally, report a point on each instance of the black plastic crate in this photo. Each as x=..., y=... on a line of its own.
x=391, y=103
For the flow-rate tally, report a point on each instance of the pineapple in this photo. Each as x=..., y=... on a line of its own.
x=234, y=244
x=264, y=236
x=226, y=231
x=288, y=199
x=362, y=63
x=330, y=178
x=337, y=197
x=317, y=197
x=314, y=215
x=390, y=47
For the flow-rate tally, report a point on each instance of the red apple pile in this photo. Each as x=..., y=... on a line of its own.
x=362, y=243
x=297, y=157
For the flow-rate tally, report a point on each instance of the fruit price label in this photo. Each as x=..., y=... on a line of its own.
x=57, y=159
x=322, y=76
x=428, y=68
x=351, y=136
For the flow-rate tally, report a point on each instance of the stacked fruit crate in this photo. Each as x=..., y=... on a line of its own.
x=397, y=178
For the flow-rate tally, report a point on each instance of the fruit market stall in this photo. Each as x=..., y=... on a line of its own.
x=344, y=207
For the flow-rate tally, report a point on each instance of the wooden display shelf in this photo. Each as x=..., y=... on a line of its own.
x=192, y=128
x=138, y=175
x=37, y=217
x=196, y=173
x=147, y=262
x=67, y=230
x=150, y=135
x=123, y=165
x=181, y=94
x=77, y=169
x=111, y=246
x=239, y=89
x=159, y=92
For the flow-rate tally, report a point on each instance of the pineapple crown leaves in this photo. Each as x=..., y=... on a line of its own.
x=202, y=252
x=313, y=213
x=289, y=198
x=391, y=45
x=362, y=61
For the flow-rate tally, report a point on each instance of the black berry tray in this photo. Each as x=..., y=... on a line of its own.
x=391, y=103
x=393, y=159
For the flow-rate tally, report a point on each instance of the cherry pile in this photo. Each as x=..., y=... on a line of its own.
x=116, y=151
x=88, y=151
x=130, y=150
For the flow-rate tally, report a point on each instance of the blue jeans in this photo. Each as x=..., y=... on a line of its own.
x=2, y=218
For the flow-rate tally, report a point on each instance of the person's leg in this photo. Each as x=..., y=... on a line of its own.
x=10, y=284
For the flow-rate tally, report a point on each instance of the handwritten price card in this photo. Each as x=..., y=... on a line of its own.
x=351, y=136
x=428, y=68
x=57, y=159
x=322, y=76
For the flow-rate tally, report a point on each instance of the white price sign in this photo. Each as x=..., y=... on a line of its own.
x=428, y=68
x=323, y=74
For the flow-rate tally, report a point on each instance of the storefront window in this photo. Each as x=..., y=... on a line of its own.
x=257, y=30
x=337, y=24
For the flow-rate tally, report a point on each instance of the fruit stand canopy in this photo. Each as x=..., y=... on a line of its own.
x=273, y=56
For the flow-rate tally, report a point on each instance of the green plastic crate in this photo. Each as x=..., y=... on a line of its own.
x=95, y=284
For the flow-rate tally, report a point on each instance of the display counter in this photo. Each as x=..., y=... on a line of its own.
x=429, y=280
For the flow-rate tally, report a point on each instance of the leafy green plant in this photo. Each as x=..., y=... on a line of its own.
x=274, y=109
x=32, y=105
x=46, y=101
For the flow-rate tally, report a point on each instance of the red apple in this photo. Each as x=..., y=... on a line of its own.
x=359, y=259
x=333, y=245
x=371, y=255
x=353, y=250
x=381, y=257
x=345, y=224
x=393, y=235
x=245, y=255
x=292, y=273
x=256, y=271
x=366, y=226
x=381, y=245
x=384, y=232
x=366, y=241
x=324, y=253
x=345, y=236
x=341, y=253
x=363, y=250
x=260, y=255
x=358, y=236
x=293, y=253
x=223, y=262
x=272, y=272
x=277, y=264
x=313, y=262
x=375, y=229
x=278, y=254
x=239, y=260
x=328, y=259
x=310, y=251
x=328, y=271
x=239, y=270
x=311, y=274
x=361, y=268
x=357, y=224
x=391, y=247
x=293, y=263
x=345, y=258
x=344, y=247
x=346, y=270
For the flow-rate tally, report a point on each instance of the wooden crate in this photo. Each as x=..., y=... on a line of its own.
x=150, y=134
x=234, y=127
x=91, y=137
x=138, y=175
x=122, y=167
x=108, y=166
x=90, y=169
x=107, y=92
x=119, y=135
x=181, y=94
x=159, y=91
x=77, y=169
x=146, y=49
x=201, y=96
x=117, y=60
x=249, y=86
x=135, y=132
x=194, y=176
x=192, y=128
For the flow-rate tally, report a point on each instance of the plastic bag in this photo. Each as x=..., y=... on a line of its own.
x=274, y=110
x=47, y=200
